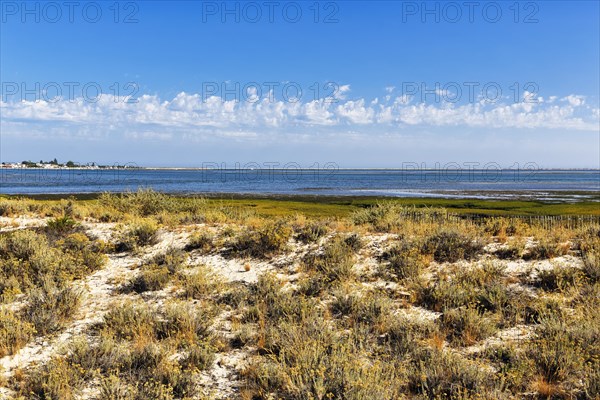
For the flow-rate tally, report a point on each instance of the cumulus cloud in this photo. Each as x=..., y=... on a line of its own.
x=189, y=114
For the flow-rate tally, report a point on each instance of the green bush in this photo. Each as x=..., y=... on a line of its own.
x=354, y=242
x=114, y=388
x=27, y=260
x=187, y=322
x=307, y=359
x=130, y=320
x=369, y=309
x=61, y=225
x=144, y=202
x=556, y=358
x=546, y=248
x=271, y=303
x=402, y=334
x=199, y=356
x=480, y=287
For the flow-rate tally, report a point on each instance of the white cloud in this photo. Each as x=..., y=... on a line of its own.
x=189, y=114
x=574, y=100
x=341, y=92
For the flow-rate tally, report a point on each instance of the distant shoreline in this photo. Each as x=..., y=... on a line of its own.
x=288, y=169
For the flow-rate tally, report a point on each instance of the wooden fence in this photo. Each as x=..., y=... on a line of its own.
x=544, y=221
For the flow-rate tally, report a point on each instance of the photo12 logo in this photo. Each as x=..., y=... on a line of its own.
x=468, y=171
x=288, y=92
x=52, y=12
x=252, y=12
x=471, y=92
x=452, y=12
x=270, y=171
x=53, y=92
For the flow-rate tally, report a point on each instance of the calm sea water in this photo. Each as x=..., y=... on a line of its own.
x=541, y=184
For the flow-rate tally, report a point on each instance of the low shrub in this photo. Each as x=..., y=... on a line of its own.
x=451, y=246
x=61, y=225
x=556, y=358
x=200, y=284
x=402, y=334
x=354, y=242
x=186, y=322
x=404, y=260
x=312, y=232
x=370, y=309
x=510, y=252
x=56, y=380
x=334, y=263
x=203, y=241
x=465, y=326
x=546, y=248
x=151, y=278
x=199, y=357
x=130, y=320
x=142, y=233
x=172, y=259
x=112, y=387
x=272, y=304
x=51, y=306
x=264, y=242
x=14, y=332
x=307, y=359
x=558, y=278
x=472, y=287
x=442, y=375
x=591, y=264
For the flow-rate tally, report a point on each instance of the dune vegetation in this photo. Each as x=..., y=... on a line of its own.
x=147, y=296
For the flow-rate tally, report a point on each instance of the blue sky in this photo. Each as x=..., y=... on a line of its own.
x=377, y=66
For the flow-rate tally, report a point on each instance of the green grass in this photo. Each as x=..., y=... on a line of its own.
x=341, y=206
